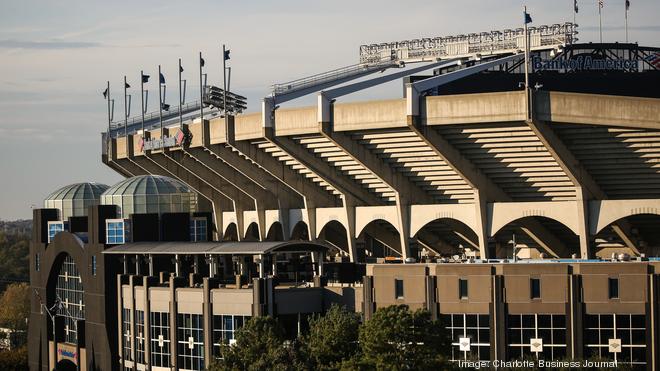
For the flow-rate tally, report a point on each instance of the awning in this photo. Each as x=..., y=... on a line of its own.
x=215, y=248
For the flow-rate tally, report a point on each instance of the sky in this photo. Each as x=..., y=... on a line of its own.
x=56, y=56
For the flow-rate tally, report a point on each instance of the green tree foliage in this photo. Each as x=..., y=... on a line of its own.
x=14, y=262
x=397, y=339
x=14, y=311
x=260, y=345
x=14, y=360
x=332, y=339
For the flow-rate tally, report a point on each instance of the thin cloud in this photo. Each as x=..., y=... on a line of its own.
x=47, y=45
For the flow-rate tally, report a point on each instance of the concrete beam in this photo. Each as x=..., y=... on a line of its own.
x=325, y=171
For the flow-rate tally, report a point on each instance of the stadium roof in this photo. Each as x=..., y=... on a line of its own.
x=214, y=248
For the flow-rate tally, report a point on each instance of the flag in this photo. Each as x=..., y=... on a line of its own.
x=201, y=61
x=627, y=5
x=145, y=78
x=126, y=85
x=653, y=59
x=226, y=54
x=575, y=6
x=165, y=107
x=600, y=4
x=180, y=69
x=162, y=79
x=105, y=93
x=528, y=18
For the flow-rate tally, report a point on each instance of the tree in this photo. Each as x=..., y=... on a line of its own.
x=260, y=345
x=15, y=309
x=332, y=339
x=397, y=339
x=14, y=360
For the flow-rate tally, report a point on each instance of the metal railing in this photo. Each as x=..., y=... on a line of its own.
x=339, y=73
x=149, y=117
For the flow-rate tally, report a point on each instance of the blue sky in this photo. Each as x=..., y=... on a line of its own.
x=55, y=57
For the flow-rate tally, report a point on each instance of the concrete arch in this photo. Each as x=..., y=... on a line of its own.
x=230, y=233
x=385, y=236
x=275, y=232
x=504, y=213
x=421, y=215
x=300, y=231
x=328, y=215
x=605, y=212
x=252, y=232
x=339, y=237
x=460, y=233
x=364, y=215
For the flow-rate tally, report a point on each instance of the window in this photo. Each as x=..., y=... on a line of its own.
x=628, y=330
x=37, y=262
x=398, y=289
x=224, y=330
x=474, y=327
x=613, y=287
x=139, y=336
x=190, y=341
x=463, y=288
x=535, y=288
x=198, y=229
x=93, y=265
x=160, y=339
x=54, y=228
x=126, y=334
x=523, y=330
x=70, y=292
x=117, y=231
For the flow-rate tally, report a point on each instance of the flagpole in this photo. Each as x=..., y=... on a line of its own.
x=201, y=99
x=160, y=105
x=109, y=116
x=600, y=20
x=125, y=109
x=142, y=99
x=526, y=63
x=180, y=104
x=224, y=83
x=626, y=5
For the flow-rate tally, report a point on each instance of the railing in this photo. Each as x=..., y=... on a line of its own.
x=452, y=46
x=340, y=73
x=173, y=112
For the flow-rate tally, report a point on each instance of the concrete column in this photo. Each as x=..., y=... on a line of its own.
x=349, y=208
x=431, y=302
x=368, y=299
x=403, y=214
x=262, y=266
x=482, y=222
x=150, y=259
x=498, y=319
x=173, y=328
x=177, y=265
x=574, y=320
x=146, y=283
x=208, y=323
x=582, y=204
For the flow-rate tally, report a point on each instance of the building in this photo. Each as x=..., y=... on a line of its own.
x=507, y=206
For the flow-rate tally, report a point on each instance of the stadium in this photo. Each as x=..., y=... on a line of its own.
x=517, y=201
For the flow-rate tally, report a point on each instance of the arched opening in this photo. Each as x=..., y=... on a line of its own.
x=446, y=237
x=379, y=239
x=66, y=293
x=231, y=233
x=252, y=232
x=275, y=232
x=300, y=232
x=532, y=236
x=633, y=235
x=335, y=235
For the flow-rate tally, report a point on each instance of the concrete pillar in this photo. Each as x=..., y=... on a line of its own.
x=349, y=208
x=207, y=312
x=482, y=221
x=173, y=328
x=574, y=320
x=403, y=214
x=498, y=319
x=146, y=283
x=582, y=204
x=262, y=266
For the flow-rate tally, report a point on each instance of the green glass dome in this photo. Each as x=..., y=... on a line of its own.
x=74, y=199
x=150, y=194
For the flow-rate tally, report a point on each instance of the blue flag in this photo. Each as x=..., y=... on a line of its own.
x=162, y=79
x=226, y=54
x=528, y=18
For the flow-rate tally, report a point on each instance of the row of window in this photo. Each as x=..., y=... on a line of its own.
x=190, y=337
x=118, y=231
x=534, y=288
x=620, y=337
